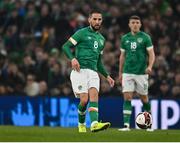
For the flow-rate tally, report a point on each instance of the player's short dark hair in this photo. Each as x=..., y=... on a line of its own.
x=94, y=11
x=135, y=17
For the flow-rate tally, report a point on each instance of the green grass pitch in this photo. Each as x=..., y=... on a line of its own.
x=50, y=134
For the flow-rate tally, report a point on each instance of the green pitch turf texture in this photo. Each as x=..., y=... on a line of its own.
x=50, y=134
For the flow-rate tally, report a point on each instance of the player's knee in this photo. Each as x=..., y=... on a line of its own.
x=144, y=98
x=127, y=99
x=94, y=97
x=128, y=96
x=84, y=101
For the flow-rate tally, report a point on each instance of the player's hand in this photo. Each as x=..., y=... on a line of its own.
x=120, y=78
x=110, y=80
x=148, y=70
x=75, y=64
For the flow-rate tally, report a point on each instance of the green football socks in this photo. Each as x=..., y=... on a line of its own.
x=127, y=112
x=93, y=111
x=81, y=113
x=147, y=107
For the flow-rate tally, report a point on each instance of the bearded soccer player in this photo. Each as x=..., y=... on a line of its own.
x=136, y=50
x=86, y=63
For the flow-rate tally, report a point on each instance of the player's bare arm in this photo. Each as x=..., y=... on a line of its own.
x=121, y=59
x=151, y=60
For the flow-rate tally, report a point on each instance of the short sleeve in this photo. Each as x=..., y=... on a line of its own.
x=102, y=43
x=122, y=46
x=149, y=44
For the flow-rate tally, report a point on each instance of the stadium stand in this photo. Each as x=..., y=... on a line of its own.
x=32, y=33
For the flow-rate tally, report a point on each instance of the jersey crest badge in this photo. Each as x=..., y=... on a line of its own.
x=139, y=40
x=127, y=41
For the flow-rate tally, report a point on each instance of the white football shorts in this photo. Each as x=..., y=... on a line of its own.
x=133, y=82
x=84, y=80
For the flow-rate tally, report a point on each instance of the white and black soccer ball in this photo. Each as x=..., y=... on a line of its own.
x=144, y=120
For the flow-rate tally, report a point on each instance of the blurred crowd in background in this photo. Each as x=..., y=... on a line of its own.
x=33, y=32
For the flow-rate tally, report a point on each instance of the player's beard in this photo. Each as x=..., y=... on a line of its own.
x=96, y=27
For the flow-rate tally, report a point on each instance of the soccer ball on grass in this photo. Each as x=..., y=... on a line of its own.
x=144, y=120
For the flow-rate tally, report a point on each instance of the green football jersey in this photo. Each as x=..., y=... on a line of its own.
x=89, y=45
x=135, y=47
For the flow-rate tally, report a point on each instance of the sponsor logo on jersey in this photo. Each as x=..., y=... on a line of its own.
x=89, y=37
x=140, y=40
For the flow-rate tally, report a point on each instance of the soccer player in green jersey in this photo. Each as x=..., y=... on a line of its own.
x=86, y=63
x=136, y=48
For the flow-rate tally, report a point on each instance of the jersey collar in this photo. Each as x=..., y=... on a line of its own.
x=135, y=34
